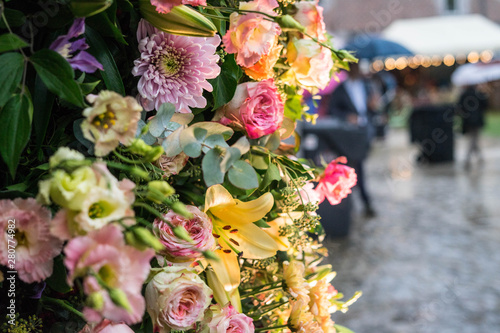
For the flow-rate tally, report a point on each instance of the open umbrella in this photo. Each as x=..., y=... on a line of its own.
x=470, y=74
x=369, y=47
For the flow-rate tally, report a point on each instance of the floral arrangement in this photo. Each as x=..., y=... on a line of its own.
x=149, y=181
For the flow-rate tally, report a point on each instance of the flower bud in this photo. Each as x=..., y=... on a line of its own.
x=139, y=147
x=142, y=239
x=288, y=23
x=181, y=233
x=210, y=255
x=158, y=190
x=181, y=20
x=86, y=8
x=119, y=297
x=180, y=208
x=140, y=173
x=154, y=153
x=95, y=301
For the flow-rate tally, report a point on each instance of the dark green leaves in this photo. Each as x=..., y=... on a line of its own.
x=10, y=75
x=15, y=132
x=98, y=48
x=57, y=75
x=225, y=84
x=9, y=42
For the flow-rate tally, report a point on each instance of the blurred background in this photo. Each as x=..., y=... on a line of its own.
x=419, y=120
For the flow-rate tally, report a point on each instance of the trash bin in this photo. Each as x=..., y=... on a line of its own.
x=334, y=138
x=431, y=127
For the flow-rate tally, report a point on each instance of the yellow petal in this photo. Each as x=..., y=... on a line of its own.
x=227, y=269
x=217, y=195
x=253, y=241
x=244, y=212
x=221, y=296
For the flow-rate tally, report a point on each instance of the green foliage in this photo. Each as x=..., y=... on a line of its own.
x=243, y=175
x=10, y=75
x=225, y=84
x=10, y=42
x=57, y=75
x=16, y=129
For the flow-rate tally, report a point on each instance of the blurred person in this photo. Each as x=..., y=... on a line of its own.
x=471, y=107
x=355, y=102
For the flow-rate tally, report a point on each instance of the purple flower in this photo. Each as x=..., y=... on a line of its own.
x=73, y=50
x=174, y=69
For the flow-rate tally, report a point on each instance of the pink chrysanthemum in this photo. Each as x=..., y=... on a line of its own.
x=174, y=69
x=30, y=236
x=165, y=6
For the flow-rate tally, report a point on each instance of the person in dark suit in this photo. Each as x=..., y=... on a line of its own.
x=354, y=102
x=472, y=105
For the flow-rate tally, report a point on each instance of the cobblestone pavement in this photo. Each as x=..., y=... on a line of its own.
x=430, y=260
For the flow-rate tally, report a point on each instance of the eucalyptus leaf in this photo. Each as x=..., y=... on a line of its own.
x=242, y=144
x=172, y=144
x=214, y=128
x=159, y=123
x=232, y=155
x=10, y=75
x=243, y=175
x=214, y=140
x=274, y=141
x=9, y=42
x=15, y=130
x=57, y=75
x=212, y=173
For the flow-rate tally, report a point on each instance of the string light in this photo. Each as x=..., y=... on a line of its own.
x=461, y=59
x=390, y=64
x=436, y=61
x=378, y=65
x=401, y=63
x=473, y=57
x=486, y=56
x=426, y=62
x=449, y=60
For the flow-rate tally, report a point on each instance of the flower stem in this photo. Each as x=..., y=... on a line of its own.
x=271, y=328
x=64, y=305
x=261, y=291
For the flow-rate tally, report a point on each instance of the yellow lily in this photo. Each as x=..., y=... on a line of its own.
x=236, y=234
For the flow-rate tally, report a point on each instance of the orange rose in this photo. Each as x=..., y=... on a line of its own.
x=263, y=69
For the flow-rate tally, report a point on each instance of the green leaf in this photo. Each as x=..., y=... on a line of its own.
x=232, y=155
x=57, y=280
x=159, y=123
x=10, y=75
x=274, y=141
x=342, y=329
x=242, y=145
x=272, y=174
x=43, y=108
x=57, y=75
x=15, y=130
x=243, y=175
x=103, y=23
x=225, y=84
x=99, y=49
x=88, y=87
x=15, y=18
x=9, y=42
x=215, y=128
x=214, y=140
x=262, y=224
x=294, y=108
x=212, y=173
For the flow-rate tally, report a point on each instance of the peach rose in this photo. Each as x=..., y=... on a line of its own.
x=310, y=15
x=251, y=35
x=263, y=69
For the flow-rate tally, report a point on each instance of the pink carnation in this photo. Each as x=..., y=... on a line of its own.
x=24, y=226
x=106, y=326
x=310, y=15
x=251, y=35
x=256, y=107
x=336, y=183
x=199, y=227
x=174, y=69
x=165, y=6
x=228, y=320
x=120, y=266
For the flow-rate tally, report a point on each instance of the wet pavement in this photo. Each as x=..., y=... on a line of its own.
x=430, y=260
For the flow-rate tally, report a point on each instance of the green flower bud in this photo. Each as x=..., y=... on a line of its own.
x=158, y=190
x=139, y=147
x=180, y=208
x=86, y=8
x=288, y=23
x=95, y=301
x=210, y=255
x=142, y=239
x=154, y=153
x=181, y=20
x=181, y=233
x=140, y=173
x=119, y=297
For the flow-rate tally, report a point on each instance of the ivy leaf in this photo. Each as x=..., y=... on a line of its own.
x=99, y=49
x=57, y=75
x=243, y=176
x=9, y=42
x=225, y=84
x=272, y=174
x=10, y=75
x=212, y=173
x=15, y=131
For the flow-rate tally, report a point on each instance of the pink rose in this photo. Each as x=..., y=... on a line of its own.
x=228, y=320
x=165, y=6
x=106, y=326
x=256, y=108
x=199, y=227
x=336, y=183
x=121, y=267
x=176, y=299
x=24, y=226
x=251, y=35
x=310, y=15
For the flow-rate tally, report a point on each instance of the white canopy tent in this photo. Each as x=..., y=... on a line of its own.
x=442, y=35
